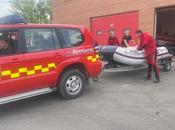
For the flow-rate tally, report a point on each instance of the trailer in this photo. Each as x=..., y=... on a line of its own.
x=126, y=59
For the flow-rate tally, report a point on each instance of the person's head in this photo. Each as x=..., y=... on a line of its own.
x=138, y=33
x=3, y=44
x=127, y=32
x=3, y=41
x=112, y=33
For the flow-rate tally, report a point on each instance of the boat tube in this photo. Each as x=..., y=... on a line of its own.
x=128, y=56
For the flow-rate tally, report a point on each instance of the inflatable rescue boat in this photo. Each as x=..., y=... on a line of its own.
x=128, y=56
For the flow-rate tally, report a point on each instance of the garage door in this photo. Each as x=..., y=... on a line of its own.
x=100, y=26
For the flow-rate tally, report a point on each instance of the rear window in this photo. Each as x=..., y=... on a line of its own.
x=71, y=37
x=38, y=39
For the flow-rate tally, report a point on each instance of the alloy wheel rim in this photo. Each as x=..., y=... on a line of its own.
x=73, y=85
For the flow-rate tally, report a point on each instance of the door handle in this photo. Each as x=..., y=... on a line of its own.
x=58, y=54
x=15, y=60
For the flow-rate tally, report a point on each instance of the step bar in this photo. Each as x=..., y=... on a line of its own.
x=25, y=95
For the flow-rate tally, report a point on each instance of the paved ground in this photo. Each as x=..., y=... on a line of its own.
x=119, y=101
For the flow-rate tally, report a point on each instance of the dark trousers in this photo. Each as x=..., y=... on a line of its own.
x=155, y=68
x=152, y=64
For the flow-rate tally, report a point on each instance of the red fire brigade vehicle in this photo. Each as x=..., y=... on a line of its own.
x=41, y=58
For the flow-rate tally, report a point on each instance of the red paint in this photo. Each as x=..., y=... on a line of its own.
x=148, y=41
x=117, y=22
x=63, y=58
x=113, y=41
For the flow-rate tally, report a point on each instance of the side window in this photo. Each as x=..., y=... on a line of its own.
x=71, y=37
x=8, y=42
x=38, y=39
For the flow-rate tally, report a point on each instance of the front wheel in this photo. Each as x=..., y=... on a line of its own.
x=71, y=84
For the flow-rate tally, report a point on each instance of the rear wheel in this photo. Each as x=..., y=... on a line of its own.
x=167, y=65
x=71, y=84
x=95, y=79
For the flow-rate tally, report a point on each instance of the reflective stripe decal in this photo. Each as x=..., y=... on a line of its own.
x=6, y=73
x=93, y=58
x=22, y=70
x=51, y=65
x=37, y=67
x=27, y=72
x=30, y=72
x=45, y=70
x=15, y=75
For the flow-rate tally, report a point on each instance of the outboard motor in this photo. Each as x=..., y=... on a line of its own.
x=106, y=52
x=13, y=19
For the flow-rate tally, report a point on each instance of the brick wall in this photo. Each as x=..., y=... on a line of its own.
x=80, y=11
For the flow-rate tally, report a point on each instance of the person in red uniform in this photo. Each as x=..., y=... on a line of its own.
x=127, y=38
x=112, y=39
x=149, y=45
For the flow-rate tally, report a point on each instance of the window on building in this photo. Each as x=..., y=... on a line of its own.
x=71, y=37
x=39, y=39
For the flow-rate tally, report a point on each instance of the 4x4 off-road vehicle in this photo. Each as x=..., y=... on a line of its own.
x=41, y=58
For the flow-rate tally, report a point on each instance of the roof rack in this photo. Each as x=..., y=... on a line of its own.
x=13, y=19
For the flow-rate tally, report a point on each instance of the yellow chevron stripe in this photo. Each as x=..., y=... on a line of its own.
x=93, y=58
x=26, y=71
x=6, y=73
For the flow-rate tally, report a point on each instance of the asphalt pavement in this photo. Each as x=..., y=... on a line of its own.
x=118, y=101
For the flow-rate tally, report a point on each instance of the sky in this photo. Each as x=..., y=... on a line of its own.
x=4, y=7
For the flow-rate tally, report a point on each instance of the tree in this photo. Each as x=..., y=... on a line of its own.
x=35, y=11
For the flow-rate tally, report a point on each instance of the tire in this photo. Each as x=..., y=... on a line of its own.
x=167, y=66
x=71, y=84
x=95, y=79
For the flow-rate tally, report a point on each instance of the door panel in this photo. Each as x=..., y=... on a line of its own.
x=41, y=69
x=41, y=58
x=12, y=66
x=12, y=79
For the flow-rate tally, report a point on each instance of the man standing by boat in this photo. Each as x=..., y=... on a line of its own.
x=149, y=45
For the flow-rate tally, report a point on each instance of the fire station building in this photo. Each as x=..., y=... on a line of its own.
x=154, y=16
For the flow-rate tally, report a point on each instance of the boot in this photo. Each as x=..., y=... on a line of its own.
x=147, y=78
x=157, y=79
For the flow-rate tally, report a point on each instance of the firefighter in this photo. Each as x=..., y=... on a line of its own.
x=127, y=38
x=5, y=47
x=149, y=45
x=112, y=39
